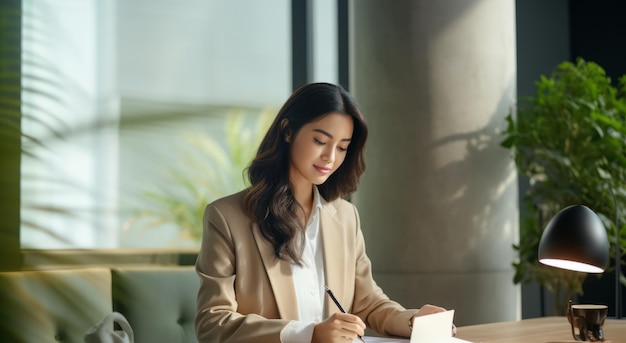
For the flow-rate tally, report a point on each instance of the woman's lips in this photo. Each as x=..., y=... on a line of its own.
x=322, y=170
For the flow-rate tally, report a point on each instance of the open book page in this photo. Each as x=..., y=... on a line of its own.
x=457, y=340
x=369, y=339
x=432, y=328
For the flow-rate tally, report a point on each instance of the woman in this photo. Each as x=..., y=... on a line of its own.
x=268, y=252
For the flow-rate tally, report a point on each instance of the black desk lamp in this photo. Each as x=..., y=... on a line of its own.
x=576, y=239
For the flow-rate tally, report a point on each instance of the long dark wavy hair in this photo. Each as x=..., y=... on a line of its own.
x=269, y=200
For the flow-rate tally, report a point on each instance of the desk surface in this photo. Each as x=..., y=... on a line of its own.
x=536, y=330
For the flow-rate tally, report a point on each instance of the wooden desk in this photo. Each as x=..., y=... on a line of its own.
x=536, y=330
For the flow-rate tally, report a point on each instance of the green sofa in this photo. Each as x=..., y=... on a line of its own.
x=61, y=305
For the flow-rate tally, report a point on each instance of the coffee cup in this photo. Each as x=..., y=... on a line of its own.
x=587, y=321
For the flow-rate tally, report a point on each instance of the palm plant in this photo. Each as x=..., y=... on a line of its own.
x=205, y=171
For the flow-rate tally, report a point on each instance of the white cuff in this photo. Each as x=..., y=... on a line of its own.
x=297, y=332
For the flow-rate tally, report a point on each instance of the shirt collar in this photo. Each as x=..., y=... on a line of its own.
x=317, y=198
x=313, y=225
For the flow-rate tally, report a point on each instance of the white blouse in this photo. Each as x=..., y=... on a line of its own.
x=308, y=281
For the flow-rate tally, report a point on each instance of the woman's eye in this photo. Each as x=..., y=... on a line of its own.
x=318, y=142
x=342, y=149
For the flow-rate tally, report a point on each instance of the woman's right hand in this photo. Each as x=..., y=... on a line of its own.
x=339, y=327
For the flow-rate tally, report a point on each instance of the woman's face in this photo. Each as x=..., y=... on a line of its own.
x=319, y=148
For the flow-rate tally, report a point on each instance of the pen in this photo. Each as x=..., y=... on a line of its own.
x=343, y=310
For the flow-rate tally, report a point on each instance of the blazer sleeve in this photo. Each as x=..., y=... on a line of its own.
x=217, y=316
x=380, y=313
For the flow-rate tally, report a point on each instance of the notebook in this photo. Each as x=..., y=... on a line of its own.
x=432, y=328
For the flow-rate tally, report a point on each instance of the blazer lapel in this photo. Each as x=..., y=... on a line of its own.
x=279, y=273
x=333, y=258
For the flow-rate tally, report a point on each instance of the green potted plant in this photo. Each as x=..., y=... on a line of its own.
x=569, y=141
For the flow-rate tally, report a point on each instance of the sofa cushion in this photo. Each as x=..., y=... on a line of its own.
x=159, y=302
x=53, y=305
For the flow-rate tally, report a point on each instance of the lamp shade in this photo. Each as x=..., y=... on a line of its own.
x=575, y=239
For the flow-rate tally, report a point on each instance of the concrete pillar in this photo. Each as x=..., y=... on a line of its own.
x=438, y=201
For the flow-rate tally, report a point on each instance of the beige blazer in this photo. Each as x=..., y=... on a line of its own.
x=247, y=294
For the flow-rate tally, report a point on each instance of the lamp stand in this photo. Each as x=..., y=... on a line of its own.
x=618, y=264
x=618, y=273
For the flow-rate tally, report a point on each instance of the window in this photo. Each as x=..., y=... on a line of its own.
x=135, y=113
